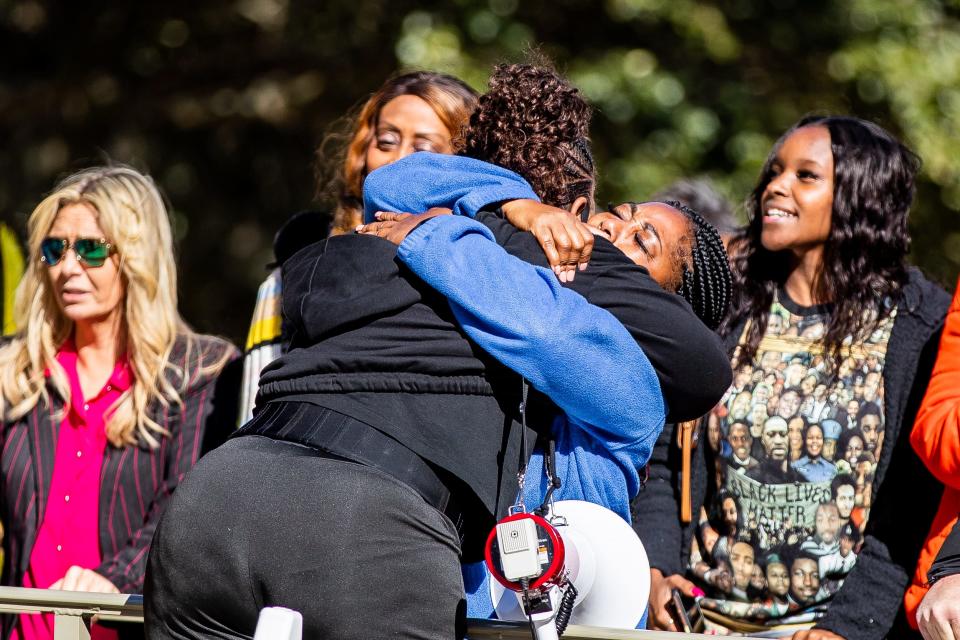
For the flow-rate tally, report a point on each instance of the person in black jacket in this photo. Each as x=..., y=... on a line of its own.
x=386, y=447
x=824, y=252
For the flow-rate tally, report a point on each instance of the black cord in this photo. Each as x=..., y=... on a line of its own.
x=523, y=421
x=522, y=467
x=553, y=482
x=525, y=586
x=565, y=608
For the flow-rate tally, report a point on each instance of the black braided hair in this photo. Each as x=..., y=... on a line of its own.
x=709, y=286
x=582, y=172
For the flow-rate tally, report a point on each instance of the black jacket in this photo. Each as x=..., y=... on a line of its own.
x=948, y=560
x=689, y=359
x=369, y=339
x=906, y=495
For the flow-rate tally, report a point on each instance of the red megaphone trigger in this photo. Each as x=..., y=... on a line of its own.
x=550, y=550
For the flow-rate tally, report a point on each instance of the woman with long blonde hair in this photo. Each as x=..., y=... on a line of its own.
x=106, y=395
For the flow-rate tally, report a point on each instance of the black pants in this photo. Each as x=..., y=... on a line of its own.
x=260, y=523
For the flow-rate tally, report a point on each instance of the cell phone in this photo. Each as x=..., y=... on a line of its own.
x=685, y=612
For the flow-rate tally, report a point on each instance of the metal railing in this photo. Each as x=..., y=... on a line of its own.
x=73, y=611
x=495, y=630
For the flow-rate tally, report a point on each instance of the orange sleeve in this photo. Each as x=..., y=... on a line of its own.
x=936, y=432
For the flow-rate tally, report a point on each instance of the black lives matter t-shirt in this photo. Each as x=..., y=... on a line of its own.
x=796, y=443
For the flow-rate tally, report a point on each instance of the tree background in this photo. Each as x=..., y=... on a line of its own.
x=225, y=101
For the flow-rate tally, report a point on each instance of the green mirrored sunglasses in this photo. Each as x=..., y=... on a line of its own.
x=92, y=252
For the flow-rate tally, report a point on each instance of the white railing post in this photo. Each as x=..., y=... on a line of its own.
x=70, y=625
x=279, y=623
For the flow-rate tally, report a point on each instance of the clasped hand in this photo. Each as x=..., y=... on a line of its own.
x=566, y=242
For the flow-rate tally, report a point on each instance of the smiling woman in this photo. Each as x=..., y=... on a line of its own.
x=830, y=319
x=107, y=398
x=797, y=203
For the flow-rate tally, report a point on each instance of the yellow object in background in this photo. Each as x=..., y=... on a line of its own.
x=11, y=270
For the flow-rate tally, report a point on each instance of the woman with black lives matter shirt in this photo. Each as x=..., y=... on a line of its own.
x=828, y=320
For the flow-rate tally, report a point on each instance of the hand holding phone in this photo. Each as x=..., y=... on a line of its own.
x=685, y=612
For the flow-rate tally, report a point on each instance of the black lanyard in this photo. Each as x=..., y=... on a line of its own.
x=549, y=461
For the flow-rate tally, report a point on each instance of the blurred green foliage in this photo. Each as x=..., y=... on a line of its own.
x=224, y=102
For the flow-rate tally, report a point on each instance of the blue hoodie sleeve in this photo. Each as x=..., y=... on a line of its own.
x=425, y=180
x=577, y=354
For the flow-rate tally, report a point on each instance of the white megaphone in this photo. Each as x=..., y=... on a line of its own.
x=604, y=560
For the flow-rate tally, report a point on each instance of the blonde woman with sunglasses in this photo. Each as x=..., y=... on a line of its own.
x=106, y=395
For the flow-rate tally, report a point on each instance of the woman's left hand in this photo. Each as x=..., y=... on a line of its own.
x=80, y=579
x=395, y=227
x=816, y=634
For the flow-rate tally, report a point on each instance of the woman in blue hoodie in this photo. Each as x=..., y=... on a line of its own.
x=670, y=243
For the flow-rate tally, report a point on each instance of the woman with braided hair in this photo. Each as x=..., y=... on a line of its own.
x=533, y=122
x=680, y=249
x=680, y=252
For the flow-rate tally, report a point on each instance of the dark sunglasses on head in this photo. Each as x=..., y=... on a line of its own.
x=92, y=252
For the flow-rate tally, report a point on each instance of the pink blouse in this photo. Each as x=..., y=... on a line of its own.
x=68, y=534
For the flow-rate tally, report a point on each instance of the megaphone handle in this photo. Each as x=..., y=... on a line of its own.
x=546, y=628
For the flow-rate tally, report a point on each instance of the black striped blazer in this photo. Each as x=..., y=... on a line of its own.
x=135, y=481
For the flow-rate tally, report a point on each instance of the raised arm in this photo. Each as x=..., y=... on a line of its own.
x=689, y=359
x=577, y=354
x=464, y=185
x=423, y=181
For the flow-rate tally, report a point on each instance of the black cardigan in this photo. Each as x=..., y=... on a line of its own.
x=869, y=605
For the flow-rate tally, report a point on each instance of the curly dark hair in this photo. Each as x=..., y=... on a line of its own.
x=535, y=123
x=864, y=259
x=840, y=480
